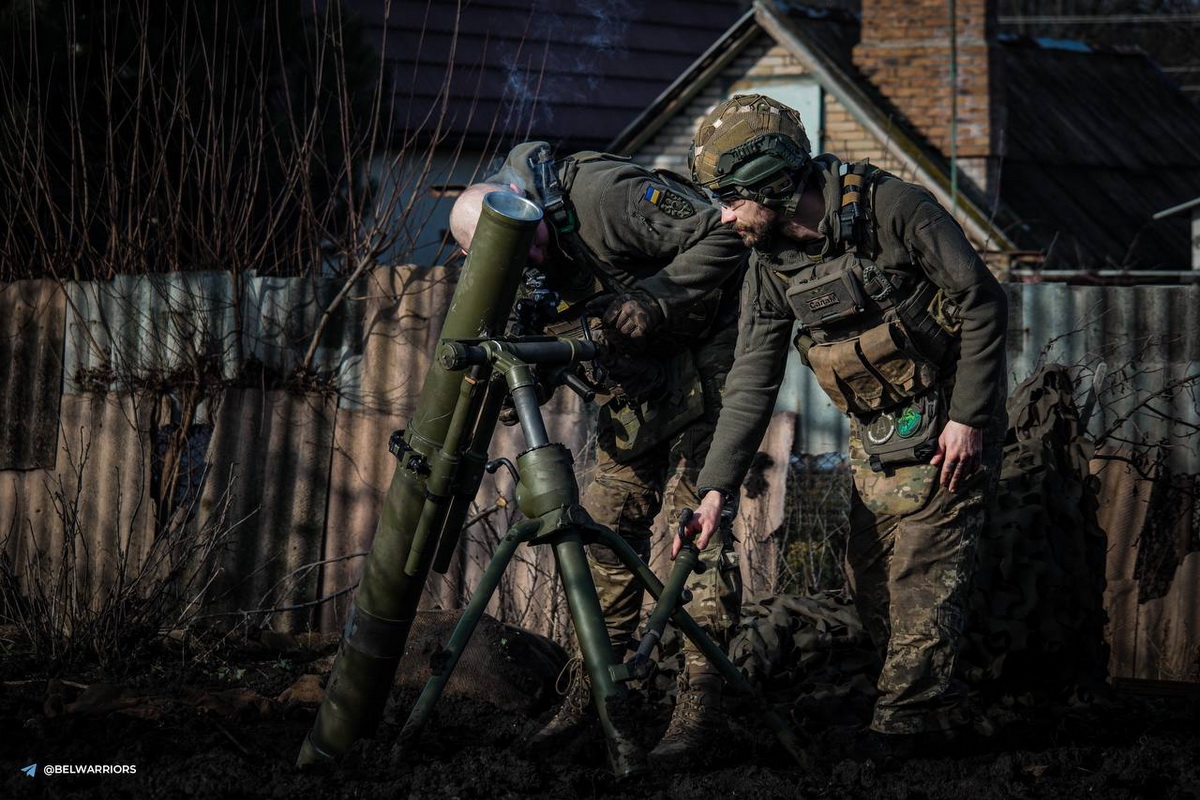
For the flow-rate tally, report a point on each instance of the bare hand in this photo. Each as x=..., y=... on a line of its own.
x=959, y=453
x=703, y=523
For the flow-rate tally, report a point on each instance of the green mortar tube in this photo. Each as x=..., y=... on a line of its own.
x=416, y=509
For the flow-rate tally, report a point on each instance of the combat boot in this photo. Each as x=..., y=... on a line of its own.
x=697, y=723
x=575, y=712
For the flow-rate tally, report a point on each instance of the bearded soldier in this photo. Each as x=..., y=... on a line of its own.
x=648, y=251
x=904, y=328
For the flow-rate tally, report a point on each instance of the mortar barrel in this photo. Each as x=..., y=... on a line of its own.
x=388, y=594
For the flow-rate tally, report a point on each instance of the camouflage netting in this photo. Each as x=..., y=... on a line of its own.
x=810, y=653
x=1037, y=607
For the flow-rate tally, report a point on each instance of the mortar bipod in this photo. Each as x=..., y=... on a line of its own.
x=547, y=494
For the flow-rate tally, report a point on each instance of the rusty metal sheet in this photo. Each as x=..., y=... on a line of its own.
x=359, y=473
x=31, y=350
x=87, y=525
x=402, y=311
x=401, y=314
x=269, y=453
x=1169, y=645
x=280, y=317
x=143, y=329
x=1145, y=396
x=1124, y=504
x=157, y=329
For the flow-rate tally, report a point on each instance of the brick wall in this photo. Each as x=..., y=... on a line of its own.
x=764, y=58
x=850, y=141
x=905, y=52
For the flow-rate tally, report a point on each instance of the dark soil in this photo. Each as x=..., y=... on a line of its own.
x=218, y=728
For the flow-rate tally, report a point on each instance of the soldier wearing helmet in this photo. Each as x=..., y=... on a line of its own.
x=647, y=250
x=904, y=328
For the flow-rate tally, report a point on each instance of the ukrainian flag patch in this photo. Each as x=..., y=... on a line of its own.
x=668, y=202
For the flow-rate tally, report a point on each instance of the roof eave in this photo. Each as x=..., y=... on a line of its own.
x=1173, y=210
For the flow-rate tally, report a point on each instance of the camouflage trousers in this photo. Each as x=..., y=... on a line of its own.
x=911, y=557
x=626, y=496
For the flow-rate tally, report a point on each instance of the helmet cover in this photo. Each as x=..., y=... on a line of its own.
x=751, y=146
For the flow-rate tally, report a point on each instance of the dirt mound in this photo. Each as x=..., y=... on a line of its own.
x=511, y=668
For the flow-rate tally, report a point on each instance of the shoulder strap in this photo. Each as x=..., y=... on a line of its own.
x=558, y=208
x=553, y=180
x=857, y=216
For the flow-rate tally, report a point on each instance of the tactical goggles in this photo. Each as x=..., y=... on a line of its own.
x=729, y=196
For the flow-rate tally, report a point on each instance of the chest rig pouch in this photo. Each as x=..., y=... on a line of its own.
x=890, y=388
x=824, y=301
x=870, y=340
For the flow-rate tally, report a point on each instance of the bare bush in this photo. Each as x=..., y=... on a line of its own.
x=76, y=602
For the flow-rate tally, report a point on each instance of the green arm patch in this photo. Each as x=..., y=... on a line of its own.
x=670, y=203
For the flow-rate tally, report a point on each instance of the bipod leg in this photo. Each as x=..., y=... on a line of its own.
x=423, y=707
x=688, y=626
x=610, y=698
x=673, y=596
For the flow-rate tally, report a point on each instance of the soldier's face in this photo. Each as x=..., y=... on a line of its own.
x=753, y=222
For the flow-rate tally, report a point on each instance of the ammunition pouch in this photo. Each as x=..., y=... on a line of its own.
x=803, y=342
x=878, y=370
x=638, y=426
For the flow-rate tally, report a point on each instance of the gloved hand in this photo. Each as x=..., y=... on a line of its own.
x=633, y=316
x=641, y=378
x=508, y=415
x=508, y=412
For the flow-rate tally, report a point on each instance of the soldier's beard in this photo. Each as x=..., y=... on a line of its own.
x=759, y=229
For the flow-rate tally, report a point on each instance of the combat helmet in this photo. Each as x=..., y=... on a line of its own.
x=754, y=147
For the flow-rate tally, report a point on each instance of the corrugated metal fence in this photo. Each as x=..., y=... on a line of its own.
x=162, y=409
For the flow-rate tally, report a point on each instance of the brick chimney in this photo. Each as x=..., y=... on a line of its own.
x=905, y=51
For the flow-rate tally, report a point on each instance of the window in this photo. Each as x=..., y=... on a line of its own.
x=801, y=93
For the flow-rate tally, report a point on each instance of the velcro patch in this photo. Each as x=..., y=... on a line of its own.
x=668, y=202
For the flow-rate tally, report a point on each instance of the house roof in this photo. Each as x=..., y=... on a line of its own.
x=501, y=71
x=1096, y=141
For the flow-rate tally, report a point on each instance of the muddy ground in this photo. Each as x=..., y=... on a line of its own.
x=229, y=725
